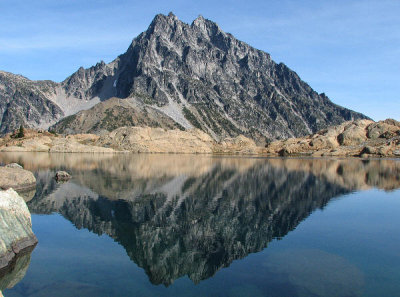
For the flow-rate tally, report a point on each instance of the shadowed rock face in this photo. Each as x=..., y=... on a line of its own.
x=114, y=113
x=196, y=74
x=193, y=215
x=24, y=102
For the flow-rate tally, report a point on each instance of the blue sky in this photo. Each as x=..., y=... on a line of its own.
x=348, y=49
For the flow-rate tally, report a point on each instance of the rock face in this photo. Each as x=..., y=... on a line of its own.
x=197, y=75
x=15, y=226
x=355, y=138
x=16, y=178
x=25, y=102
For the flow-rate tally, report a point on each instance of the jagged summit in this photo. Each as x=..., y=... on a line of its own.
x=201, y=77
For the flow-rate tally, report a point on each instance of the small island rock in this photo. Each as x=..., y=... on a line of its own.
x=62, y=176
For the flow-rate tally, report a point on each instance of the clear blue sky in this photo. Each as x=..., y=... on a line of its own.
x=348, y=49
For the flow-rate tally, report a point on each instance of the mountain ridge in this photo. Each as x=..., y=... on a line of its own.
x=201, y=77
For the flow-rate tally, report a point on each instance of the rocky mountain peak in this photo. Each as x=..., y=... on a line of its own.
x=202, y=77
x=207, y=27
x=172, y=15
x=163, y=24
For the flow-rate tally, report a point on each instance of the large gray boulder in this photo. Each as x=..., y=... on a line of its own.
x=15, y=226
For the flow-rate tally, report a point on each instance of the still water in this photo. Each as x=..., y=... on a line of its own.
x=192, y=225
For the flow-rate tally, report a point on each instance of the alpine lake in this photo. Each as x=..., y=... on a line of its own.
x=198, y=225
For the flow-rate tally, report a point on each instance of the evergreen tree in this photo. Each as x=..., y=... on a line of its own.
x=21, y=132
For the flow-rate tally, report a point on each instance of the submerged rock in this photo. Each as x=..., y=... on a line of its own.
x=15, y=226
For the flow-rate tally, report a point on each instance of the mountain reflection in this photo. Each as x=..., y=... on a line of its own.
x=179, y=215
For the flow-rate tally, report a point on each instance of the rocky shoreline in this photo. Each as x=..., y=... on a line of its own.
x=360, y=138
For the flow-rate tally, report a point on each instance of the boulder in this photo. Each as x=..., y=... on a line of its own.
x=15, y=227
x=16, y=178
x=383, y=129
x=354, y=133
x=62, y=176
x=237, y=145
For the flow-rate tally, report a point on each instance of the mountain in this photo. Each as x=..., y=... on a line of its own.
x=24, y=101
x=201, y=77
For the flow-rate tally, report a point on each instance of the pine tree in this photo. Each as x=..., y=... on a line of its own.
x=21, y=132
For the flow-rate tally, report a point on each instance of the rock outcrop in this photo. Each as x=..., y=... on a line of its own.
x=15, y=226
x=363, y=138
x=196, y=75
x=39, y=141
x=157, y=140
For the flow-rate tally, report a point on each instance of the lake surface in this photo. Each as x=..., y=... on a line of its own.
x=193, y=225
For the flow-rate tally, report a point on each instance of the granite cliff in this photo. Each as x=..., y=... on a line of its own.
x=195, y=75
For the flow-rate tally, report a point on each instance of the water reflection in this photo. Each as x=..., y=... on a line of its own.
x=179, y=215
x=16, y=270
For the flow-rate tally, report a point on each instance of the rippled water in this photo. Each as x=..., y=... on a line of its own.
x=193, y=225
